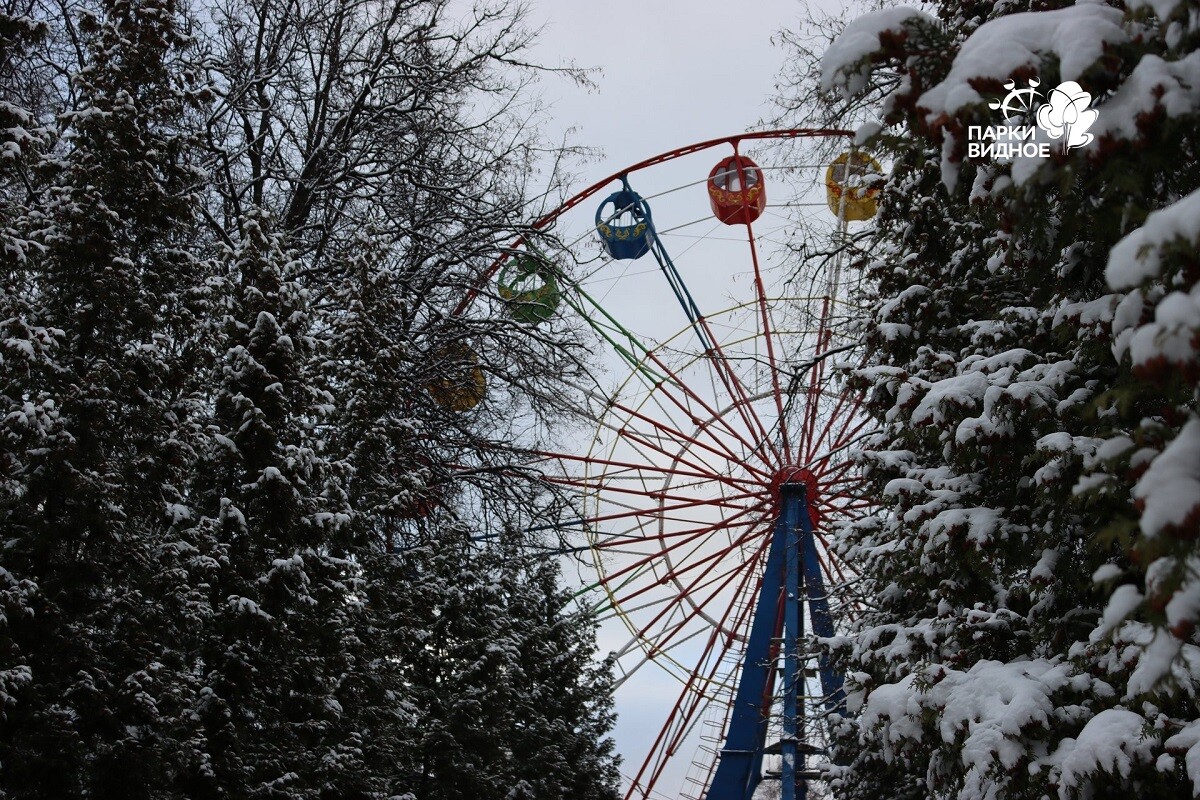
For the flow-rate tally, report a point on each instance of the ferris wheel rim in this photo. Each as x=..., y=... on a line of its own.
x=542, y=222
x=650, y=648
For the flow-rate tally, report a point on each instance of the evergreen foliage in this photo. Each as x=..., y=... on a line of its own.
x=97, y=315
x=524, y=712
x=243, y=550
x=1033, y=342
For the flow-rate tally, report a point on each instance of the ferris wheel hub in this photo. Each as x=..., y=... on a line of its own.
x=793, y=478
x=793, y=475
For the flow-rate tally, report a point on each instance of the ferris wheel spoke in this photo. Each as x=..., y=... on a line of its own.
x=657, y=536
x=828, y=567
x=844, y=506
x=811, y=412
x=719, y=584
x=833, y=470
x=669, y=385
x=713, y=413
x=736, y=390
x=636, y=439
x=637, y=469
x=623, y=600
x=713, y=560
x=834, y=560
x=700, y=688
x=850, y=426
x=831, y=475
x=768, y=337
x=658, y=512
x=607, y=486
x=844, y=501
x=652, y=557
x=646, y=447
x=610, y=600
x=713, y=353
x=660, y=752
x=653, y=603
x=641, y=518
x=814, y=440
x=671, y=614
x=841, y=480
x=738, y=608
x=740, y=459
x=708, y=429
x=688, y=501
x=850, y=435
x=637, y=644
x=851, y=484
x=853, y=505
x=674, y=574
x=627, y=539
x=816, y=373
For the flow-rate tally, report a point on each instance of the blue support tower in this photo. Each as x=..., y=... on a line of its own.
x=791, y=580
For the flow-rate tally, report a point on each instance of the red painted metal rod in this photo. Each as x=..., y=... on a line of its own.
x=752, y=530
x=642, y=562
x=764, y=313
x=739, y=459
x=618, y=540
x=738, y=392
x=607, y=487
x=666, y=752
x=650, y=467
x=713, y=414
x=724, y=578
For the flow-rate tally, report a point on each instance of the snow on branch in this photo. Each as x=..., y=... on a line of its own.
x=846, y=65
x=1138, y=256
x=1075, y=36
x=1169, y=491
x=1112, y=741
x=1155, y=84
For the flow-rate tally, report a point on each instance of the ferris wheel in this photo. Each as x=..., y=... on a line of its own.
x=717, y=469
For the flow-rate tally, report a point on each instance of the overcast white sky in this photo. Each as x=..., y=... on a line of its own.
x=671, y=73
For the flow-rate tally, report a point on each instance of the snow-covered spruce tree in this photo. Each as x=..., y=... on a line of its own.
x=99, y=314
x=508, y=699
x=289, y=689
x=375, y=432
x=19, y=138
x=499, y=685
x=496, y=669
x=22, y=133
x=1037, y=439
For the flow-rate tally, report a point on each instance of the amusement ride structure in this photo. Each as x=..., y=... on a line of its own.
x=719, y=467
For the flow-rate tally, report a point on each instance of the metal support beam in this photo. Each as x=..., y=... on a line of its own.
x=792, y=499
x=822, y=619
x=786, y=583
